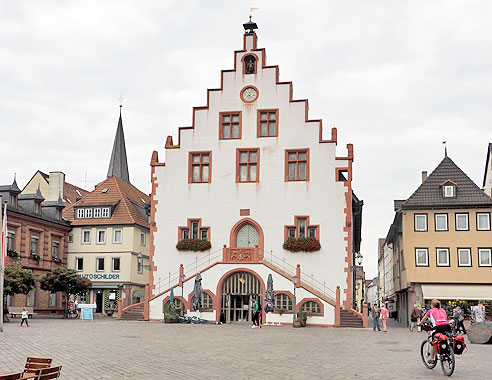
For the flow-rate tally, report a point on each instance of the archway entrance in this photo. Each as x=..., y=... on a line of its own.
x=239, y=291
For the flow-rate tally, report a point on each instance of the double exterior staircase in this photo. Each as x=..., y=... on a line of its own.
x=134, y=314
x=349, y=319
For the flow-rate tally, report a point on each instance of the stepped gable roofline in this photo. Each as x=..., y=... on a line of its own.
x=489, y=149
x=124, y=197
x=169, y=140
x=430, y=195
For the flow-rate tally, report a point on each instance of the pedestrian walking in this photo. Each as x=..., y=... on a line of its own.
x=384, y=317
x=460, y=318
x=375, y=318
x=25, y=317
x=415, y=317
x=256, y=313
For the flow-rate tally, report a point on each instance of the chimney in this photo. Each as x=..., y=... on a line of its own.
x=57, y=182
x=424, y=176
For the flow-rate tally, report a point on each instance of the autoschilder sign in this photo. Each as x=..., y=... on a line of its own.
x=100, y=276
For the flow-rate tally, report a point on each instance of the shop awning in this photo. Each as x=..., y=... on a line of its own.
x=452, y=292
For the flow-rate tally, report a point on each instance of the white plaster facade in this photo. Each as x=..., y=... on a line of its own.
x=389, y=289
x=272, y=202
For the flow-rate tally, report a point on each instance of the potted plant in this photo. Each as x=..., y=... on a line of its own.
x=36, y=256
x=302, y=244
x=302, y=318
x=171, y=313
x=193, y=245
x=57, y=260
x=280, y=312
x=12, y=253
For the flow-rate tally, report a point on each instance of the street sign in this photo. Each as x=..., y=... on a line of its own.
x=86, y=314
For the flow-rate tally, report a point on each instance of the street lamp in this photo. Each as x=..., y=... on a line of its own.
x=294, y=281
x=182, y=296
x=141, y=264
x=359, y=259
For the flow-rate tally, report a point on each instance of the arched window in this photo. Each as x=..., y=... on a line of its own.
x=178, y=304
x=207, y=302
x=283, y=302
x=250, y=64
x=311, y=307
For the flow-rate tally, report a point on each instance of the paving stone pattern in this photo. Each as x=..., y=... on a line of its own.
x=110, y=349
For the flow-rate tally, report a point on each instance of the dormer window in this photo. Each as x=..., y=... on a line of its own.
x=37, y=208
x=449, y=191
x=250, y=64
x=13, y=200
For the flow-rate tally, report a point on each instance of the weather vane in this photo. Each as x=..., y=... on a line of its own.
x=251, y=9
x=121, y=99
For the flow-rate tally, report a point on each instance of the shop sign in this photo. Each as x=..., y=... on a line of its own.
x=101, y=276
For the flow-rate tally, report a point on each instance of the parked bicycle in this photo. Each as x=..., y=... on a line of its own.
x=446, y=346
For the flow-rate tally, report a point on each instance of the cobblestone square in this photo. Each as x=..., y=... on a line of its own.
x=110, y=349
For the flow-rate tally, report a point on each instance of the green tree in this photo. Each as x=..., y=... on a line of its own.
x=17, y=281
x=65, y=280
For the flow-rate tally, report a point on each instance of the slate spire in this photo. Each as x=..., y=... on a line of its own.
x=118, y=165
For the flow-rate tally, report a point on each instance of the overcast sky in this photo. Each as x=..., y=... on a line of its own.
x=395, y=77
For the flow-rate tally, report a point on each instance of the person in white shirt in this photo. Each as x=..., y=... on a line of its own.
x=25, y=317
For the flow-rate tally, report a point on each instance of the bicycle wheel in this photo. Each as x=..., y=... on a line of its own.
x=426, y=354
x=448, y=362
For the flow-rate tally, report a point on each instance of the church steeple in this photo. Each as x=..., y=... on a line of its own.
x=118, y=165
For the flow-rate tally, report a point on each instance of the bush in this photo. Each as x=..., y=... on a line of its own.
x=302, y=316
x=193, y=245
x=171, y=313
x=12, y=253
x=302, y=244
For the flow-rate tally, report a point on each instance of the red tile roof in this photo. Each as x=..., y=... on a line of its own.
x=130, y=204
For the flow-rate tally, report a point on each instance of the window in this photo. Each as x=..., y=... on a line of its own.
x=97, y=212
x=13, y=199
x=311, y=307
x=10, y=240
x=101, y=237
x=58, y=214
x=442, y=258
x=31, y=298
x=204, y=234
x=297, y=165
x=207, y=302
x=283, y=302
x=80, y=213
x=117, y=235
x=484, y=257
x=441, y=221
x=483, y=221
x=185, y=234
x=199, y=169
x=37, y=208
x=116, y=264
x=88, y=213
x=142, y=238
x=464, y=257
x=422, y=257
x=86, y=236
x=34, y=245
x=100, y=264
x=267, y=123
x=230, y=125
x=52, y=299
x=105, y=212
x=79, y=263
x=247, y=165
x=449, y=191
x=55, y=248
x=194, y=230
x=70, y=238
x=301, y=228
x=420, y=222
x=402, y=260
x=178, y=304
x=462, y=222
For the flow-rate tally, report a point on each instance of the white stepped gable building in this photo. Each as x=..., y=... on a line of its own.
x=251, y=172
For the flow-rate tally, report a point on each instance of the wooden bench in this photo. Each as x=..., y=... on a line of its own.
x=15, y=311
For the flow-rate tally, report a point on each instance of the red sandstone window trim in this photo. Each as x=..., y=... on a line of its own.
x=248, y=164
x=295, y=226
x=267, y=121
x=200, y=164
x=189, y=227
x=229, y=123
x=297, y=160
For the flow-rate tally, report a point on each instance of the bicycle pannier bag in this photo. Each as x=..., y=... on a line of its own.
x=459, y=344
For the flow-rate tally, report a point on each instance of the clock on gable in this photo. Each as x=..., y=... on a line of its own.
x=249, y=94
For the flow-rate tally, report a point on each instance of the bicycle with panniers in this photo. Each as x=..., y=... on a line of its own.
x=445, y=345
